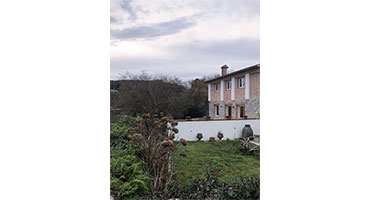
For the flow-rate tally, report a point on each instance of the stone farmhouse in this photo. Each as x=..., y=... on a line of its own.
x=235, y=95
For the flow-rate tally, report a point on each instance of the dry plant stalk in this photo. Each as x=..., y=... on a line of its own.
x=245, y=145
x=157, y=149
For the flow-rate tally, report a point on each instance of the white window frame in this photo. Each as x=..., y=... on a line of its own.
x=228, y=85
x=216, y=87
x=242, y=82
x=217, y=108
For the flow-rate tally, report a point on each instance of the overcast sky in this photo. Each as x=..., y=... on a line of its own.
x=183, y=38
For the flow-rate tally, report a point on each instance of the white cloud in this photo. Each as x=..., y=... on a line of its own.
x=159, y=36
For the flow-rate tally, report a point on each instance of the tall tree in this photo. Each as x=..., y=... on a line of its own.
x=197, y=99
x=143, y=93
x=139, y=94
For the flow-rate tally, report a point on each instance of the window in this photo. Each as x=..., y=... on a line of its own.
x=216, y=110
x=228, y=111
x=216, y=87
x=241, y=112
x=241, y=83
x=228, y=85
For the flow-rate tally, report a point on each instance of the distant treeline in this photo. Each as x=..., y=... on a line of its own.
x=138, y=94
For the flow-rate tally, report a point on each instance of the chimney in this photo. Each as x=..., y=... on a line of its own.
x=224, y=70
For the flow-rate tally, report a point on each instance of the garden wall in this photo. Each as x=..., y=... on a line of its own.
x=230, y=128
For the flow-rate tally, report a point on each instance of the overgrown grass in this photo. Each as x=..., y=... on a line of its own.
x=224, y=159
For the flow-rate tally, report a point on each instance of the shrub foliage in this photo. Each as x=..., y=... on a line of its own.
x=128, y=180
x=213, y=188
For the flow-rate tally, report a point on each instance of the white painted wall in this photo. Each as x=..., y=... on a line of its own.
x=233, y=88
x=209, y=92
x=222, y=90
x=230, y=128
x=247, y=86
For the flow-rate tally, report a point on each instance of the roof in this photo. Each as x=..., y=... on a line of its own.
x=250, y=68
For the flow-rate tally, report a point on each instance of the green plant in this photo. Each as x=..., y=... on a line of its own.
x=227, y=160
x=128, y=179
x=213, y=188
x=245, y=189
x=208, y=188
x=120, y=131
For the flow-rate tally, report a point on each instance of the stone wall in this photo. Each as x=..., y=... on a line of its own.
x=251, y=108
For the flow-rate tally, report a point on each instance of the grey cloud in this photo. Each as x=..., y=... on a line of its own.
x=113, y=20
x=195, y=59
x=155, y=30
x=126, y=6
x=238, y=49
x=185, y=68
x=192, y=58
x=253, y=7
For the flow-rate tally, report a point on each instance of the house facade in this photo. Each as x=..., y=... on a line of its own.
x=235, y=95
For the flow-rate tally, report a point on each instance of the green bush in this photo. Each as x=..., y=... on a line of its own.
x=213, y=188
x=125, y=120
x=119, y=133
x=246, y=189
x=127, y=177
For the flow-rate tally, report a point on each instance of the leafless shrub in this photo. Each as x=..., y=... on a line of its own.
x=245, y=145
x=172, y=136
x=152, y=134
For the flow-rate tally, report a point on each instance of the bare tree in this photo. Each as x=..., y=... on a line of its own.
x=143, y=93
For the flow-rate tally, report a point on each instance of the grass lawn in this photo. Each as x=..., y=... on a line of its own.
x=224, y=159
